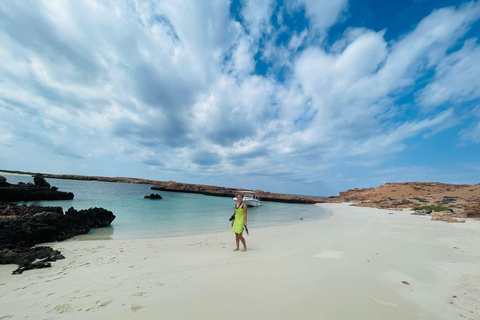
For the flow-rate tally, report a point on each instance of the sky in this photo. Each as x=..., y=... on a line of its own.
x=305, y=97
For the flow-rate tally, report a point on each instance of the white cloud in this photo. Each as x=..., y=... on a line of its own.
x=324, y=13
x=256, y=15
x=456, y=78
x=171, y=85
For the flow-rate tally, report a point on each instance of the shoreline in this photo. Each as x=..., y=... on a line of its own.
x=15, y=174
x=173, y=186
x=349, y=266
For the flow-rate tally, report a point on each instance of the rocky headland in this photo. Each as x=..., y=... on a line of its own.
x=98, y=178
x=39, y=190
x=231, y=192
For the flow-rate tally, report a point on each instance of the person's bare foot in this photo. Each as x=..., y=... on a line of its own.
x=244, y=249
x=236, y=249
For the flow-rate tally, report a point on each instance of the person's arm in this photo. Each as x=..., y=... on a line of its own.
x=245, y=214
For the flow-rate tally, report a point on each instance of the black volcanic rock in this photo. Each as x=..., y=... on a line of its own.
x=41, y=190
x=23, y=255
x=40, y=181
x=34, y=265
x=24, y=226
x=153, y=196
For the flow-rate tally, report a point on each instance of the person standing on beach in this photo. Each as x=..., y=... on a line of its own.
x=239, y=221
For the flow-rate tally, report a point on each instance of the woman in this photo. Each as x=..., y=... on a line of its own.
x=239, y=221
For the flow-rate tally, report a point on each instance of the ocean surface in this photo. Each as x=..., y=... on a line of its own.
x=176, y=215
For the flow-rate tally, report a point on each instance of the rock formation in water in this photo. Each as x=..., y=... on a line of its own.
x=153, y=196
x=41, y=190
x=24, y=226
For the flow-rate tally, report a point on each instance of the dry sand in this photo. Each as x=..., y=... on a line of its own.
x=350, y=266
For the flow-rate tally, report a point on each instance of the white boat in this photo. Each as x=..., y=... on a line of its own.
x=250, y=199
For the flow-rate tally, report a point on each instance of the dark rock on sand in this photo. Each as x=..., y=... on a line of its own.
x=153, y=196
x=45, y=254
x=34, y=265
x=41, y=190
x=23, y=255
x=24, y=226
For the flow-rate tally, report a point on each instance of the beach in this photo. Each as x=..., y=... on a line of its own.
x=361, y=263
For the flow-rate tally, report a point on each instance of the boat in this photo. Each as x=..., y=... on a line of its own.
x=250, y=199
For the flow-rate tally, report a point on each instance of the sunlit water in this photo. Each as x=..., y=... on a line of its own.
x=176, y=215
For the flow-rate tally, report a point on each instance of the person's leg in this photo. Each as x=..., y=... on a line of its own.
x=243, y=242
x=237, y=241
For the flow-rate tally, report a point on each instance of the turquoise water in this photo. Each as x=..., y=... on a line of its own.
x=176, y=215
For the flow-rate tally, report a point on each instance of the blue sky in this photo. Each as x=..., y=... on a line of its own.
x=304, y=97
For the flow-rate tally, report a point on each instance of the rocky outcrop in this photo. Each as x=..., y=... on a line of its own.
x=22, y=255
x=24, y=226
x=153, y=196
x=40, y=181
x=41, y=190
x=232, y=192
x=462, y=200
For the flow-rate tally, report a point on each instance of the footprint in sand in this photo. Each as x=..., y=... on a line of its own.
x=99, y=305
x=136, y=307
x=63, y=308
x=139, y=294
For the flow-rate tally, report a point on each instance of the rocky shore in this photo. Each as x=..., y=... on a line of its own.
x=98, y=178
x=39, y=190
x=21, y=227
x=231, y=192
x=462, y=201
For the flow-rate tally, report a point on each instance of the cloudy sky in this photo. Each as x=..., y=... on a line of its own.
x=304, y=96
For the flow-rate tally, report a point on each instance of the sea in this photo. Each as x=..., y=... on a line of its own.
x=177, y=214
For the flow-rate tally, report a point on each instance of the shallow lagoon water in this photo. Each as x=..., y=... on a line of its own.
x=176, y=215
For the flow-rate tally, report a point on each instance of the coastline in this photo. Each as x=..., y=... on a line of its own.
x=15, y=174
x=174, y=186
x=350, y=266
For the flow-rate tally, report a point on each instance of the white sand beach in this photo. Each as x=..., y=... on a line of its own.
x=350, y=266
